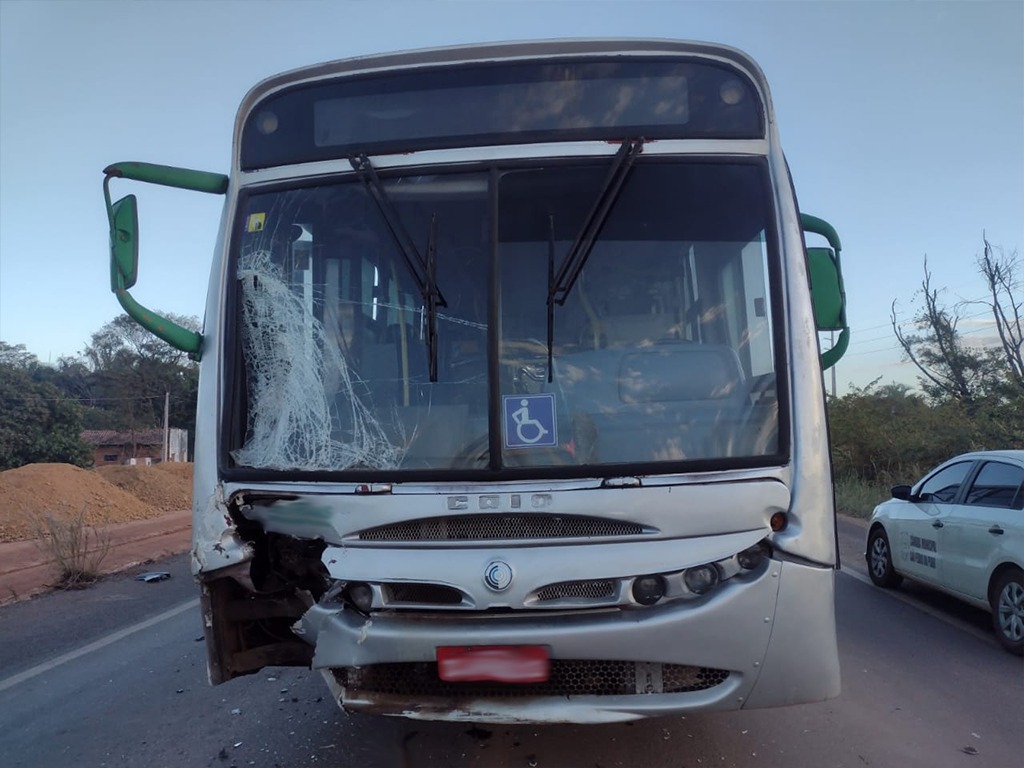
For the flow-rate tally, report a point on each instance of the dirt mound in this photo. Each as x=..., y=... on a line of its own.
x=166, y=490
x=108, y=495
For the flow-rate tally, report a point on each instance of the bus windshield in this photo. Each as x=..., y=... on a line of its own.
x=660, y=353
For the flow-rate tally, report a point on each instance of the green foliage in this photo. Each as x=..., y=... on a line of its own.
x=129, y=372
x=857, y=497
x=37, y=423
x=973, y=397
x=119, y=383
x=888, y=435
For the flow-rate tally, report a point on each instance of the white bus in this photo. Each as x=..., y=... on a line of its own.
x=511, y=402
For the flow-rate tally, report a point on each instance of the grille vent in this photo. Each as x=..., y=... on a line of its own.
x=568, y=678
x=422, y=594
x=502, y=527
x=577, y=589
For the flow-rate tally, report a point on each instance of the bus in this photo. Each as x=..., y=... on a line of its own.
x=511, y=404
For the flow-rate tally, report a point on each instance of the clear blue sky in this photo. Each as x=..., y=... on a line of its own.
x=903, y=123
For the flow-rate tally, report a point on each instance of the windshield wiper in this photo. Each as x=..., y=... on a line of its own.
x=423, y=271
x=433, y=299
x=563, y=282
x=560, y=285
x=551, y=288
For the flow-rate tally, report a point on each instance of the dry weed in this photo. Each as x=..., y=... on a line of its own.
x=77, y=547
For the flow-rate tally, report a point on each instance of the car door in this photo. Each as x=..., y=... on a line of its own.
x=977, y=530
x=921, y=533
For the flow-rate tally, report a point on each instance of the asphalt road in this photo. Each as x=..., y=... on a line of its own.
x=115, y=676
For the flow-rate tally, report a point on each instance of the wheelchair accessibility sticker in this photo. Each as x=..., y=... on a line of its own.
x=529, y=421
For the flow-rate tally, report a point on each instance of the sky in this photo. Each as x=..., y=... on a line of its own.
x=903, y=124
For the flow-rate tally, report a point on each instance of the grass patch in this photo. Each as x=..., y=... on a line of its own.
x=857, y=498
x=77, y=547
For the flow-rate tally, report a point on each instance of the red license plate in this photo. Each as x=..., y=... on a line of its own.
x=498, y=663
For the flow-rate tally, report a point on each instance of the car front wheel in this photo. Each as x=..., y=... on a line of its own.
x=880, y=567
x=1008, y=610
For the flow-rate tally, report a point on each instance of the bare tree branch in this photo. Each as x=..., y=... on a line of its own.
x=1000, y=273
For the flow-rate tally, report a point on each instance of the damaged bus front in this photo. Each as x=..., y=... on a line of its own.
x=511, y=404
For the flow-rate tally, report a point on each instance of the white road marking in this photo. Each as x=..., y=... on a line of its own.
x=113, y=637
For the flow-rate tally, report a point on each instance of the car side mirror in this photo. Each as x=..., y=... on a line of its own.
x=901, y=492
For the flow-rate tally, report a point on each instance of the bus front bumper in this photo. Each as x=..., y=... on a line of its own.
x=757, y=641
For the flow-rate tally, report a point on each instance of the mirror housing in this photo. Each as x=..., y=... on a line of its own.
x=124, y=243
x=123, y=217
x=827, y=291
x=901, y=492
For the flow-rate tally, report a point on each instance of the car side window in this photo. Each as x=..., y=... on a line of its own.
x=944, y=485
x=997, y=485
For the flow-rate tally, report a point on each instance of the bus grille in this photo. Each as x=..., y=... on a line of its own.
x=568, y=678
x=502, y=527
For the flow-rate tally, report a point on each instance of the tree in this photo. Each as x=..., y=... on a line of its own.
x=129, y=372
x=952, y=370
x=16, y=356
x=949, y=369
x=1002, y=273
x=123, y=339
x=37, y=423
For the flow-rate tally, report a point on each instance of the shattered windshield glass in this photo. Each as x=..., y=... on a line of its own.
x=662, y=350
x=334, y=328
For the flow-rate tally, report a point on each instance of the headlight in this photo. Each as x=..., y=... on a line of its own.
x=360, y=595
x=647, y=590
x=702, y=579
x=751, y=558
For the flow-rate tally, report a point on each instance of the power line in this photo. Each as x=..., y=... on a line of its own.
x=15, y=399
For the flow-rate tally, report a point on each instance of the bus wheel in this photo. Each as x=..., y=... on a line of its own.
x=880, y=567
x=1008, y=610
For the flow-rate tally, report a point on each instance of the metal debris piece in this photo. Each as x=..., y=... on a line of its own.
x=153, y=576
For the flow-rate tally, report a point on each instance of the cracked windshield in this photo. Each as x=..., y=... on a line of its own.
x=633, y=323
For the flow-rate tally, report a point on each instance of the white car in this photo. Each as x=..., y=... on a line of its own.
x=960, y=530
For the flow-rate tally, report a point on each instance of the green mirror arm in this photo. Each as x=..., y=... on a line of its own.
x=167, y=176
x=813, y=224
x=110, y=206
x=122, y=274
x=832, y=356
x=178, y=337
x=821, y=227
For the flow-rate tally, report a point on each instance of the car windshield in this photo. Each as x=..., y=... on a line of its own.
x=659, y=351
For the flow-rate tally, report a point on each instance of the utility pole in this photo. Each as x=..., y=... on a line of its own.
x=167, y=432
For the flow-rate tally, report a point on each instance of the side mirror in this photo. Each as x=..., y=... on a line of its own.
x=123, y=217
x=124, y=243
x=901, y=492
x=827, y=292
x=826, y=289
